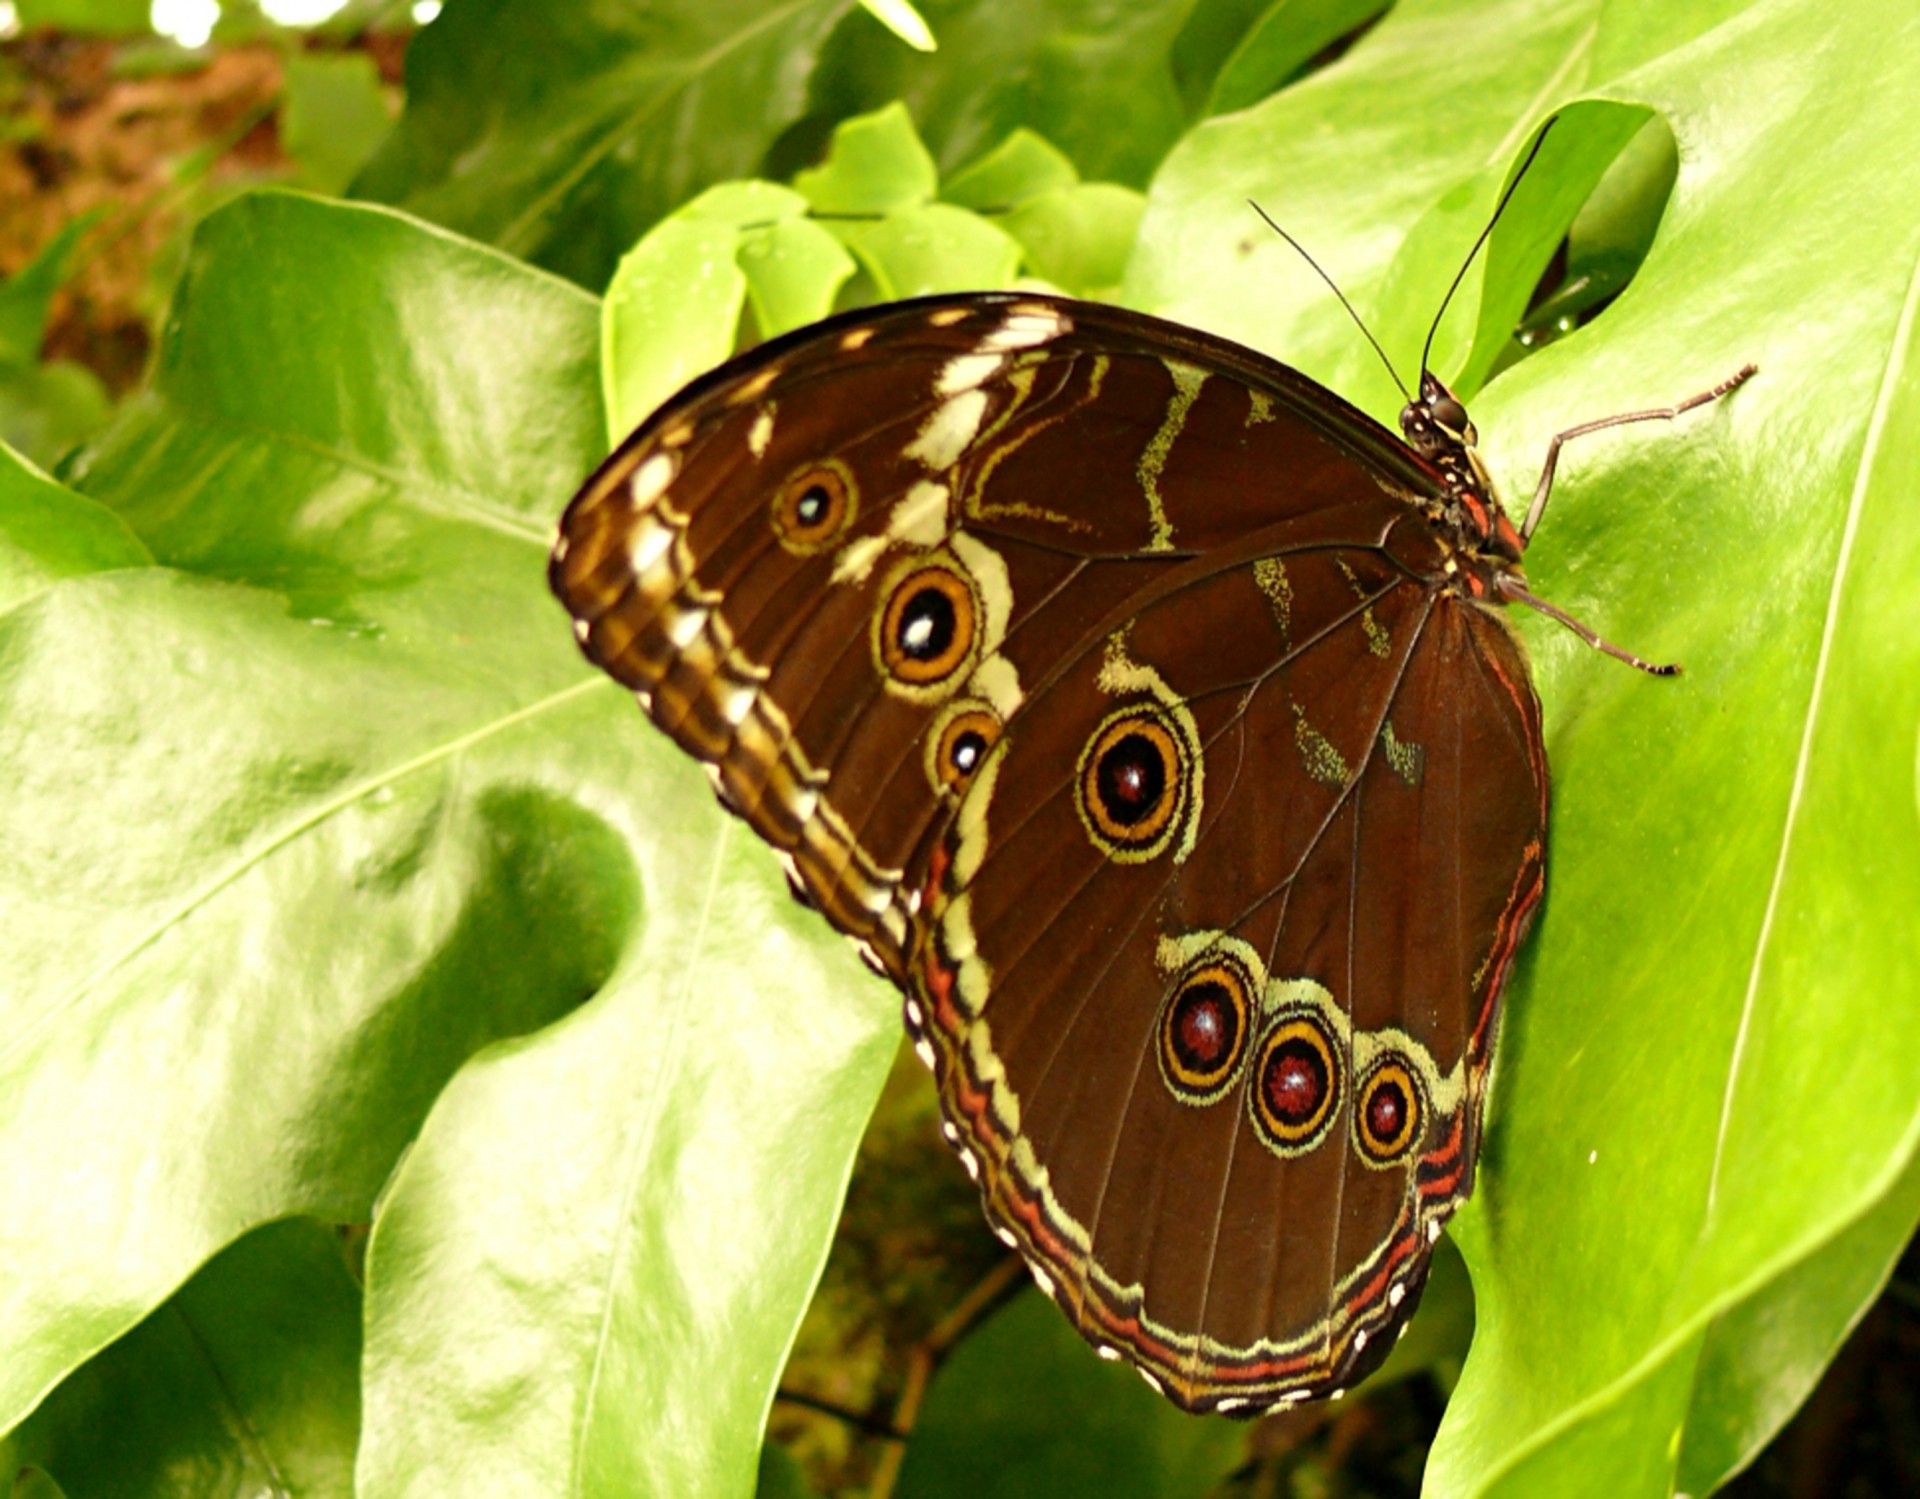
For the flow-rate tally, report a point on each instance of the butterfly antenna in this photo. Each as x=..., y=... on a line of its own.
x=1392, y=373
x=1461, y=274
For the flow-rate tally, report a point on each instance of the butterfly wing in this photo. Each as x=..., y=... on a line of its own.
x=1212, y=957
x=1105, y=682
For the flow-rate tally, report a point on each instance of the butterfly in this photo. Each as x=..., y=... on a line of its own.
x=1147, y=714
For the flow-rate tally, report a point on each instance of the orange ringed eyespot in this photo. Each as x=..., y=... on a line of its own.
x=1391, y=1113
x=1295, y=1085
x=1203, y=1029
x=928, y=627
x=814, y=508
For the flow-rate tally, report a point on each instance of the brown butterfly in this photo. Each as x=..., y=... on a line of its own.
x=1147, y=714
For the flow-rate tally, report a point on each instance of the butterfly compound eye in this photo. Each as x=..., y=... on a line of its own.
x=1451, y=415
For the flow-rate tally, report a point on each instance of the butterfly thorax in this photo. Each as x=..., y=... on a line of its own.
x=1471, y=518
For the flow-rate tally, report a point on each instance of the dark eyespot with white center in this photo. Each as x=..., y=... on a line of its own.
x=958, y=742
x=928, y=626
x=814, y=507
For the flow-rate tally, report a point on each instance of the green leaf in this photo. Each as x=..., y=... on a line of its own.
x=933, y=248
x=1280, y=44
x=248, y=1378
x=1610, y=236
x=562, y=132
x=1097, y=82
x=880, y=180
x=1023, y=1408
x=794, y=268
x=48, y=533
x=108, y=17
x=335, y=116
x=875, y=164
x=903, y=21
x=47, y=410
x=34, y=1483
x=1076, y=236
x=673, y=307
x=25, y=295
x=355, y=809
x=1079, y=239
x=1022, y=166
x=780, y=1476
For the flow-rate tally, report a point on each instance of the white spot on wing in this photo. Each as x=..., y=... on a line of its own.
x=1397, y=1295
x=921, y=518
x=761, y=433
x=650, y=480
x=856, y=559
x=737, y=704
x=1152, y=1383
x=915, y=1016
x=650, y=543
x=998, y=681
x=954, y=424
x=924, y=1051
x=1112, y=1356
x=1027, y=325
x=686, y=627
x=967, y=372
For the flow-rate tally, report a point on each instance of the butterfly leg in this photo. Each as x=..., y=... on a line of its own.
x=1657, y=414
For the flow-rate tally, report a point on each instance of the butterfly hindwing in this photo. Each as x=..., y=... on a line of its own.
x=1218, y=1072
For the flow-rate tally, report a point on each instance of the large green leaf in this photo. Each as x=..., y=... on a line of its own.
x=1096, y=77
x=245, y=1382
x=324, y=801
x=560, y=132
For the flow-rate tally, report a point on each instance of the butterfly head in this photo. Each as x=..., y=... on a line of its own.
x=1437, y=427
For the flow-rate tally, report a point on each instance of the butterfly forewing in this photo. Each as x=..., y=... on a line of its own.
x=1111, y=684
